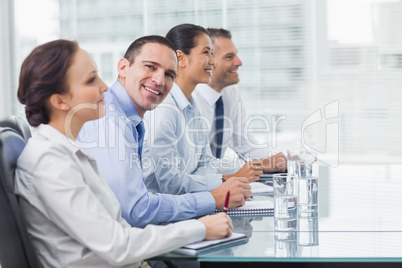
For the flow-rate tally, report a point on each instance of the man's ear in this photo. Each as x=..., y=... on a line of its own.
x=182, y=58
x=58, y=101
x=122, y=68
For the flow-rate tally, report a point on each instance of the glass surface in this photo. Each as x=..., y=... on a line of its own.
x=357, y=198
x=358, y=220
x=333, y=246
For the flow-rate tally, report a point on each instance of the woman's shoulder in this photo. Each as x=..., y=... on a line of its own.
x=37, y=148
x=166, y=109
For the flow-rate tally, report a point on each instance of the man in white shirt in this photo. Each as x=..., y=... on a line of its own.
x=222, y=91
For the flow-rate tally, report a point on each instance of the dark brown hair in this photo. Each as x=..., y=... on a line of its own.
x=44, y=73
x=183, y=36
x=135, y=48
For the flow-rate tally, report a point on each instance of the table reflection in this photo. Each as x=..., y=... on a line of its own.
x=358, y=220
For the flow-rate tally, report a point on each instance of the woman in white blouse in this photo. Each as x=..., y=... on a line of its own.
x=72, y=216
x=188, y=165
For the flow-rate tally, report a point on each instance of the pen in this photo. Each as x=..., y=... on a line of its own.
x=241, y=156
x=225, y=208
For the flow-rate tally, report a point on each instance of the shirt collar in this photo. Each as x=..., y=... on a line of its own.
x=123, y=100
x=208, y=93
x=179, y=97
x=50, y=133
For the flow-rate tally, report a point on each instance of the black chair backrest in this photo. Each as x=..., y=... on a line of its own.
x=16, y=249
x=17, y=124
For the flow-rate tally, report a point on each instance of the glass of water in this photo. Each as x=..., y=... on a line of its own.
x=293, y=157
x=285, y=201
x=308, y=237
x=308, y=160
x=286, y=244
x=307, y=197
x=305, y=168
x=307, y=234
x=292, y=166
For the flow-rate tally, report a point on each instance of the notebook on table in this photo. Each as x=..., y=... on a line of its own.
x=252, y=208
x=211, y=245
x=261, y=188
x=267, y=178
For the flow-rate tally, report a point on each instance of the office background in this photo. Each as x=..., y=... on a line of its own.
x=299, y=57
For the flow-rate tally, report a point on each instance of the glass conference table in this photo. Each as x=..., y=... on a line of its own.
x=359, y=223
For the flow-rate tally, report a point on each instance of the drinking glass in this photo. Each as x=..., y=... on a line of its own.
x=285, y=201
x=307, y=196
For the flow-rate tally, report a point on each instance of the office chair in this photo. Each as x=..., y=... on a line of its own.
x=16, y=249
x=17, y=124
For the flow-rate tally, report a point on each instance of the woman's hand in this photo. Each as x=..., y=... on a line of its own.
x=217, y=226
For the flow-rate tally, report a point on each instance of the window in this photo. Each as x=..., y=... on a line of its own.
x=298, y=57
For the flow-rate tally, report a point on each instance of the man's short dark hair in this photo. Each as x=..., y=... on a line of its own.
x=219, y=32
x=135, y=48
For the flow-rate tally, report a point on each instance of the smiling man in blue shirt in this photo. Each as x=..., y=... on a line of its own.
x=146, y=75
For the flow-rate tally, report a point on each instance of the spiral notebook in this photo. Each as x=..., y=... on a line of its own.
x=252, y=208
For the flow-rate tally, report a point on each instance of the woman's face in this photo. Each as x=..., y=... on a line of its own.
x=200, y=61
x=86, y=88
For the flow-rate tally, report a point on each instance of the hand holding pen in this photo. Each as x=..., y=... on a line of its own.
x=222, y=224
x=240, y=190
x=217, y=226
x=250, y=170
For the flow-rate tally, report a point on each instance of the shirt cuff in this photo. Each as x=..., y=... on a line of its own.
x=214, y=181
x=205, y=203
x=194, y=229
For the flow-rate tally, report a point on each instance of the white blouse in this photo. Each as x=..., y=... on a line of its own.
x=73, y=217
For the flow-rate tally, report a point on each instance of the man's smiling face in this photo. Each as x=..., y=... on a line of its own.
x=226, y=64
x=150, y=77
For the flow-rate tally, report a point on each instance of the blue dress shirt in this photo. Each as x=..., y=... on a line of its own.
x=113, y=142
x=177, y=155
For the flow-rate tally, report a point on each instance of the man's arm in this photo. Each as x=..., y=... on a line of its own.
x=117, y=159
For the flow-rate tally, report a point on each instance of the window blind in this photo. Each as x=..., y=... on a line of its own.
x=299, y=59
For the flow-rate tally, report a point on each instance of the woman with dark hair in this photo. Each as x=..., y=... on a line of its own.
x=178, y=132
x=194, y=51
x=72, y=216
